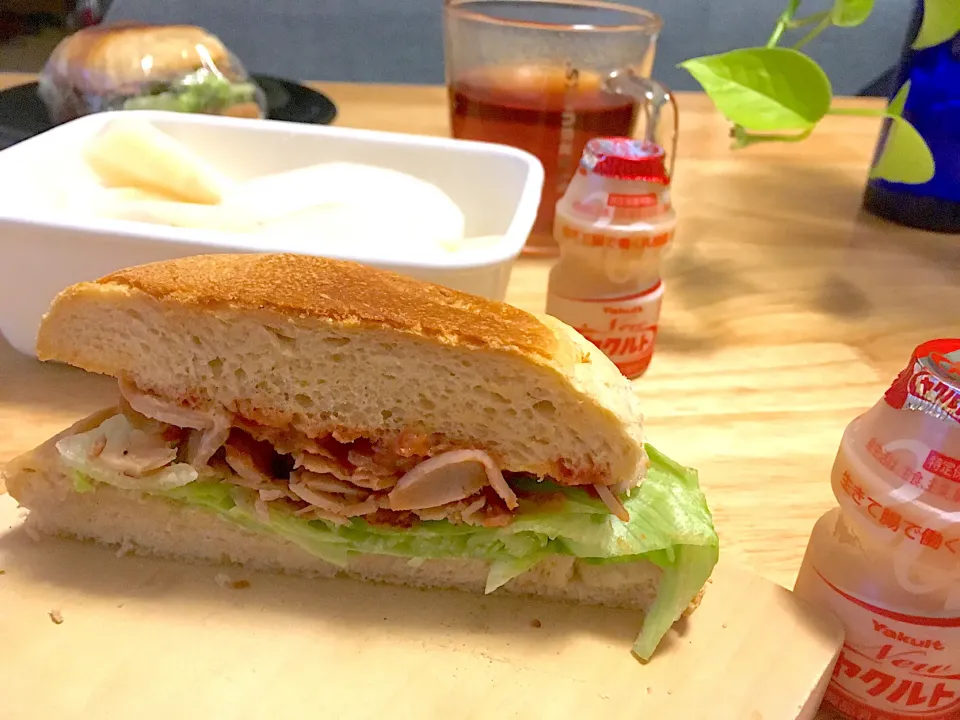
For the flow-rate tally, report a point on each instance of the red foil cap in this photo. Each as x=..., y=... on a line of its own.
x=625, y=159
x=931, y=381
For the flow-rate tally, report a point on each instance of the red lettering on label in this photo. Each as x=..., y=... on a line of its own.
x=939, y=693
x=846, y=666
x=886, y=459
x=901, y=637
x=885, y=681
x=611, y=345
x=632, y=201
x=890, y=518
x=858, y=495
x=943, y=465
x=933, y=390
x=931, y=538
x=908, y=693
x=893, y=521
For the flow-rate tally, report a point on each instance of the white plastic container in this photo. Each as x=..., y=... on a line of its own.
x=497, y=187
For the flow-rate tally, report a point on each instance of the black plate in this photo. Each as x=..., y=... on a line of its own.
x=22, y=113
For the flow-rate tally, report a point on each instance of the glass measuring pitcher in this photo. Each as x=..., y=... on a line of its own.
x=546, y=76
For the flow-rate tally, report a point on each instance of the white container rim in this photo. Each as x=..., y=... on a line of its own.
x=469, y=259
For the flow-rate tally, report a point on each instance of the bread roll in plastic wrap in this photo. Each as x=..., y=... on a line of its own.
x=133, y=66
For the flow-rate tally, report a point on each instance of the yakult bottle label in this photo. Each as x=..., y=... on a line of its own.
x=893, y=666
x=623, y=328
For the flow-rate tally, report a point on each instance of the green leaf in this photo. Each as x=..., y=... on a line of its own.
x=905, y=157
x=764, y=89
x=899, y=101
x=850, y=13
x=941, y=21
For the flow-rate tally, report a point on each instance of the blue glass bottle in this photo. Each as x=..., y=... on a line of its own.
x=933, y=108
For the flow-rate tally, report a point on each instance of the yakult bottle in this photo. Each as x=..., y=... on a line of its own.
x=613, y=226
x=887, y=560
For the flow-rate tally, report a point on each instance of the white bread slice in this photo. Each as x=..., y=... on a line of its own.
x=145, y=524
x=310, y=345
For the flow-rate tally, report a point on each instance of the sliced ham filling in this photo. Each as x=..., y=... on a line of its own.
x=335, y=478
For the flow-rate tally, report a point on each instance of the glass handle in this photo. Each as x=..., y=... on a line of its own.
x=655, y=101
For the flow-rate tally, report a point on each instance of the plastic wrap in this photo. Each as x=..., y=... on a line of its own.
x=132, y=66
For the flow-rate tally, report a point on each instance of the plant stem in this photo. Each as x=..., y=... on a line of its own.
x=786, y=17
x=810, y=20
x=821, y=26
x=744, y=138
x=777, y=32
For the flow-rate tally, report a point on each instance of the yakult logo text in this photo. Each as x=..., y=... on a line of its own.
x=901, y=637
x=932, y=389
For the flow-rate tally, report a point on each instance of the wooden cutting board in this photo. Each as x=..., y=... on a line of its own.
x=145, y=638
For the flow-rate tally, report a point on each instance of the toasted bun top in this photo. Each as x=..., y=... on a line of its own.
x=122, y=58
x=314, y=345
x=345, y=292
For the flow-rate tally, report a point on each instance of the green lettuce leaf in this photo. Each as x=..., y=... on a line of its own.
x=670, y=525
x=503, y=570
x=197, y=94
x=80, y=483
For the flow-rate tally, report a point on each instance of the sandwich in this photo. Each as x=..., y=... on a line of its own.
x=321, y=417
x=134, y=66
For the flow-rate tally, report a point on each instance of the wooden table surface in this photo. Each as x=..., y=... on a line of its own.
x=786, y=314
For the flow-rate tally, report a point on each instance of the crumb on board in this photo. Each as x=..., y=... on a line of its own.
x=56, y=616
x=535, y=623
x=649, y=691
x=724, y=626
x=224, y=581
x=3, y=572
